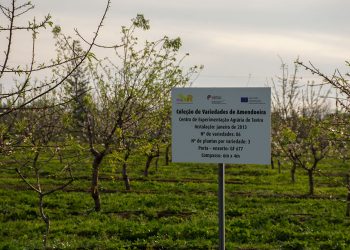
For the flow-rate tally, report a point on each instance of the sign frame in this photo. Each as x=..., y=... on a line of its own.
x=221, y=125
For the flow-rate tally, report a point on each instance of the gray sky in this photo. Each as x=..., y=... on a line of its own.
x=239, y=42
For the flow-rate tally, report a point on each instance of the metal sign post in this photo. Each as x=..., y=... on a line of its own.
x=221, y=203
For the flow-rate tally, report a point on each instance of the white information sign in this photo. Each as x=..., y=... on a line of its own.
x=221, y=125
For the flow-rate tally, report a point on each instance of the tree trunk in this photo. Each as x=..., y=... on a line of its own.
x=279, y=166
x=45, y=218
x=310, y=174
x=348, y=197
x=126, y=177
x=292, y=172
x=148, y=164
x=95, y=182
x=272, y=163
x=125, y=173
x=348, y=204
x=167, y=157
x=157, y=163
x=157, y=158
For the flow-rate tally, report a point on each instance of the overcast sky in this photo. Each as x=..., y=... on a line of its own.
x=239, y=42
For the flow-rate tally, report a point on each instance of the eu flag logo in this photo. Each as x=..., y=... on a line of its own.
x=244, y=99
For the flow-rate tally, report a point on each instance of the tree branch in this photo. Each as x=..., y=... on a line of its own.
x=87, y=53
x=25, y=180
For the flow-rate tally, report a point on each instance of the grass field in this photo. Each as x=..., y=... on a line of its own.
x=176, y=208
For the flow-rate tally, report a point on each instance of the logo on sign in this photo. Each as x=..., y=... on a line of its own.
x=252, y=100
x=186, y=99
x=215, y=99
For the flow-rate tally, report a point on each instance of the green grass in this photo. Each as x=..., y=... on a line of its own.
x=176, y=208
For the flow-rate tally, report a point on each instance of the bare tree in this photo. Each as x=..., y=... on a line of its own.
x=286, y=105
x=340, y=119
x=309, y=140
x=11, y=13
x=337, y=80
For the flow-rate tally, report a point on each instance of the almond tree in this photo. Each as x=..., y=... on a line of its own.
x=16, y=80
x=155, y=135
x=340, y=119
x=126, y=90
x=43, y=152
x=286, y=106
x=341, y=84
x=309, y=140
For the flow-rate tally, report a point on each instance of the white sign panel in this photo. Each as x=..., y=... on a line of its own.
x=221, y=125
